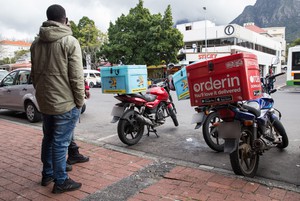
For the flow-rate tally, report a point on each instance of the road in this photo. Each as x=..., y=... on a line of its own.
x=184, y=142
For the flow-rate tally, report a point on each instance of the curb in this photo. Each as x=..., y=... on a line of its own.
x=159, y=159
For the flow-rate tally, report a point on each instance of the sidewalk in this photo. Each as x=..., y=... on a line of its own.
x=112, y=175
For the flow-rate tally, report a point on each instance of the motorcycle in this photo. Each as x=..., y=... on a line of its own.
x=135, y=111
x=208, y=117
x=251, y=127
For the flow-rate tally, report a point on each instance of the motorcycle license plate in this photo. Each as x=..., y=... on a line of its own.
x=197, y=117
x=229, y=129
x=117, y=111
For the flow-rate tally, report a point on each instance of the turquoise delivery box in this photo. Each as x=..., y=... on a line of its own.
x=181, y=84
x=126, y=79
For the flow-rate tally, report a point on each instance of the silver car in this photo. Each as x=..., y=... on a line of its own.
x=17, y=93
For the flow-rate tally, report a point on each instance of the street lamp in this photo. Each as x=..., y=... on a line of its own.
x=204, y=8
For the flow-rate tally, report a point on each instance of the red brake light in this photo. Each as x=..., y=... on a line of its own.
x=226, y=114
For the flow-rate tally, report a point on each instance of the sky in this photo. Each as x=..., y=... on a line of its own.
x=21, y=19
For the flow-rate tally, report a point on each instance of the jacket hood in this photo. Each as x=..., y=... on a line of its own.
x=52, y=31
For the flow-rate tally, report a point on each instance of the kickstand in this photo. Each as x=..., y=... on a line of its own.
x=151, y=129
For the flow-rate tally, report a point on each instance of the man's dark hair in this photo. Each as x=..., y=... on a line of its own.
x=56, y=13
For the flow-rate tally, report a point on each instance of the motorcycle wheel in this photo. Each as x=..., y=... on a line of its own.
x=173, y=116
x=281, y=131
x=130, y=131
x=83, y=108
x=243, y=160
x=210, y=132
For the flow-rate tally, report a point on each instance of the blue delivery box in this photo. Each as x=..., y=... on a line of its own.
x=181, y=84
x=126, y=79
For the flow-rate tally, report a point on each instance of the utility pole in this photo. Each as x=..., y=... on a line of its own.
x=204, y=8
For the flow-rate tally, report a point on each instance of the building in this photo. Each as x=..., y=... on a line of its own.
x=8, y=48
x=203, y=39
x=278, y=33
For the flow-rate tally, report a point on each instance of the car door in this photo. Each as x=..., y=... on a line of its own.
x=21, y=89
x=93, y=78
x=98, y=77
x=6, y=90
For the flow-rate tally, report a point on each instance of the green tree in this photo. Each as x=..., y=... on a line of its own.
x=295, y=42
x=19, y=54
x=75, y=29
x=90, y=38
x=142, y=38
x=7, y=61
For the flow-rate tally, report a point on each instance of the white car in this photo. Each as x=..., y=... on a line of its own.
x=18, y=94
x=93, y=78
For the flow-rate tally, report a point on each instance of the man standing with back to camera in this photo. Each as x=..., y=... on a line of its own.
x=57, y=75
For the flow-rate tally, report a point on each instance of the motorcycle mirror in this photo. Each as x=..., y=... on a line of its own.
x=275, y=60
x=171, y=65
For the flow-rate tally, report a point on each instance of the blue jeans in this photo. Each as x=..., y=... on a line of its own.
x=58, y=131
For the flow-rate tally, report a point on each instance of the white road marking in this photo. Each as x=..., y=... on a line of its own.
x=104, y=138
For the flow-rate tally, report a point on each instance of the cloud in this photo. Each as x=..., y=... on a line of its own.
x=21, y=19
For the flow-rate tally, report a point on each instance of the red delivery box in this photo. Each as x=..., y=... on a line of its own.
x=224, y=80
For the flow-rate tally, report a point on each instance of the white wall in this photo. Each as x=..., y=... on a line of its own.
x=214, y=32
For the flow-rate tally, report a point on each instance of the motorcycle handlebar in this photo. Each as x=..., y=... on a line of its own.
x=276, y=75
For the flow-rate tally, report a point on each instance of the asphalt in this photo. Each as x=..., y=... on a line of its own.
x=114, y=174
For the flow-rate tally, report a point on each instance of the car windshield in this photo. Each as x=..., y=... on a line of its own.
x=9, y=80
x=3, y=74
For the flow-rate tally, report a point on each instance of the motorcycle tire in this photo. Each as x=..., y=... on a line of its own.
x=130, y=131
x=83, y=109
x=280, y=129
x=210, y=133
x=243, y=160
x=173, y=116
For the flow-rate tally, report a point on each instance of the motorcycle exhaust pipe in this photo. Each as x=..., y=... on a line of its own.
x=262, y=144
x=259, y=144
x=142, y=120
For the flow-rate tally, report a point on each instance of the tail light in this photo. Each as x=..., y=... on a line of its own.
x=205, y=110
x=248, y=122
x=226, y=114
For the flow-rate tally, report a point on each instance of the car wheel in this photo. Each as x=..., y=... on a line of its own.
x=32, y=114
x=91, y=85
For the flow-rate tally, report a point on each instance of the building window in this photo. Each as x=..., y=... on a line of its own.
x=187, y=28
x=227, y=41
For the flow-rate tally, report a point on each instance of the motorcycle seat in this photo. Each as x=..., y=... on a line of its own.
x=253, y=107
x=146, y=97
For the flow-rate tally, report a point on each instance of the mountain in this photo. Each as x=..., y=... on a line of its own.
x=274, y=13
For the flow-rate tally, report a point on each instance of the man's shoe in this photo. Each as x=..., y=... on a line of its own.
x=78, y=158
x=75, y=157
x=68, y=185
x=68, y=167
x=46, y=181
